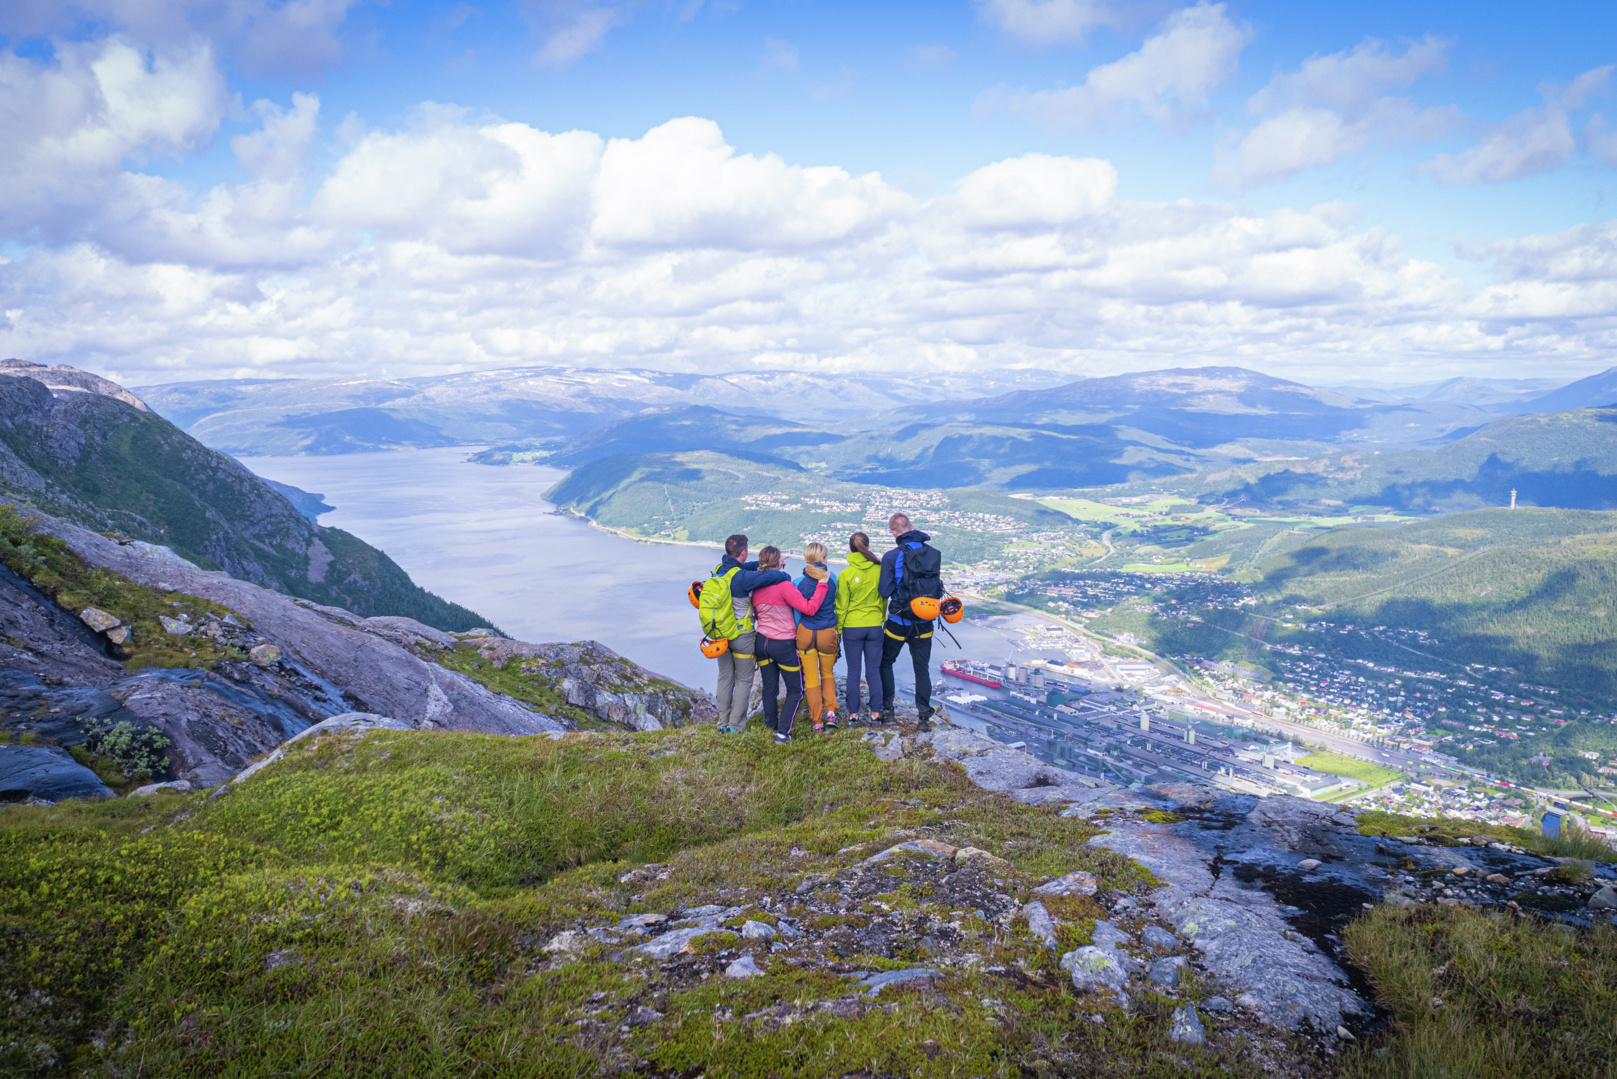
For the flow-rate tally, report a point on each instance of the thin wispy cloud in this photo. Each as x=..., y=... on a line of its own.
x=1532, y=141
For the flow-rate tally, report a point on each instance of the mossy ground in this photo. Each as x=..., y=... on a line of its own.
x=382, y=905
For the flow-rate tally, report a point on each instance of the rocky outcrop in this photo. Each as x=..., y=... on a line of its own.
x=592, y=677
x=298, y=663
x=1254, y=891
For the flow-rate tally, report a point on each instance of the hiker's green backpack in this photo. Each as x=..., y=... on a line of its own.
x=717, y=609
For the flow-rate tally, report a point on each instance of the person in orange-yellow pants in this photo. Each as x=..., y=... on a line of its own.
x=817, y=642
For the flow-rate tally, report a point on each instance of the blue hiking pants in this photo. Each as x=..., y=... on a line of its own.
x=862, y=646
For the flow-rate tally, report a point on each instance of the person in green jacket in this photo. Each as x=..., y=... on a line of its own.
x=860, y=613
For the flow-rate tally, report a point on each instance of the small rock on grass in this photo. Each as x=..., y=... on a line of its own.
x=1158, y=939
x=1220, y=1005
x=1075, y=883
x=981, y=857
x=1040, y=924
x=745, y=967
x=1185, y=1027
x=1166, y=972
x=263, y=655
x=751, y=930
x=929, y=847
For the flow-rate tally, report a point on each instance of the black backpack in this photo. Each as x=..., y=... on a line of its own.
x=917, y=572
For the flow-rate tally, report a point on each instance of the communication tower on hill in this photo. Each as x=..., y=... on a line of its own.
x=1513, y=498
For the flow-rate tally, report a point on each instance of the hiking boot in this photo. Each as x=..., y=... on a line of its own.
x=782, y=739
x=923, y=725
x=830, y=721
x=819, y=728
x=885, y=718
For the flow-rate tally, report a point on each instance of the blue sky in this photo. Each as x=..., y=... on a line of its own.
x=1428, y=131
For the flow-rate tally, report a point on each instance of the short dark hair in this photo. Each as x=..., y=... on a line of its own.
x=898, y=522
x=736, y=545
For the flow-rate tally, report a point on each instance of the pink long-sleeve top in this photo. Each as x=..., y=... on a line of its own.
x=774, y=604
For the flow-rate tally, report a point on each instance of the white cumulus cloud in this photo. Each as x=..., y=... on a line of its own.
x=1193, y=54
x=1331, y=107
x=1532, y=141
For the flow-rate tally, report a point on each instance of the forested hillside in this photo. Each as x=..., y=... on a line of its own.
x=707, y=496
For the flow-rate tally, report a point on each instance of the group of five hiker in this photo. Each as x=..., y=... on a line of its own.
x=793, y=631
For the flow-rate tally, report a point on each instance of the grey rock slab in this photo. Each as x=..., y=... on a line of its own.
x=1040, y=924
x=642, y=921
x=1158, y=939
x=1218, y=1005
x=1275, y=970
x=751, y=930
x=673, y=941
x=1605, y=899
x=1074, y=883
x=930, y=848
x=152, y=788
x=1162, y=849
x=873, y=984
x=745, y=967
x=1185, y=1027
x=706, y=910
x=46, y=773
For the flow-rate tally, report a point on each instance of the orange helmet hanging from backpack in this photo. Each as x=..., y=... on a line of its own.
x=694, y=594
x=924, y=607
x=952, y=609
x=714, y=649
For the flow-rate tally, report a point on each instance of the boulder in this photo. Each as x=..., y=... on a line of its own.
x=745, y=967
x=1166, y=971
x=98, y=620
x=1158, y=939
x=150, y=789
x=265, y=655
x=120, y=634
x=978, y=856
x=1185, y=1027
x=1605, y=899
x=751, y=930
x=47, y=774
x=1095, y=970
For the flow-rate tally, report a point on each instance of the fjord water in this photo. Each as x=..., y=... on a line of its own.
x=483, y=536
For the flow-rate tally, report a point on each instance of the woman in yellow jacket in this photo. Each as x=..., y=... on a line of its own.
x=860, y=613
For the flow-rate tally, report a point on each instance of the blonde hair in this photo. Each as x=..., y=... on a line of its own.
x=815, y=552
x=769, y=558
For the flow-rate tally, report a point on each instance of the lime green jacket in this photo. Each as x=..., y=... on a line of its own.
x=858, y=603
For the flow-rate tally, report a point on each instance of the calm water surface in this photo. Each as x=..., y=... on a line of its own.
x=484, y=537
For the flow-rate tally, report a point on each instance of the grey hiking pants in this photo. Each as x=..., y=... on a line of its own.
x=736, y=668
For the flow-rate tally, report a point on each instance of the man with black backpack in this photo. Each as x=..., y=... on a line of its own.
x=908, y=571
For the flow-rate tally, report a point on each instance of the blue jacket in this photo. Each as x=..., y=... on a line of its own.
x=750, y=578
x=826, y=616
x=888, y=583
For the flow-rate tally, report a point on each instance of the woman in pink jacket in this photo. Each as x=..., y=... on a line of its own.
x=776, y=641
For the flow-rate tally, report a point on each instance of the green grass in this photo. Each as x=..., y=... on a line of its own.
x=1485, y=996
x=380, y=905
x=1336, y=764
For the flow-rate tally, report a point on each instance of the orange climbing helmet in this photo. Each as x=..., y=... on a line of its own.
x=714, y=649
x=952, y=609
x=694, y=594
x=924, y=607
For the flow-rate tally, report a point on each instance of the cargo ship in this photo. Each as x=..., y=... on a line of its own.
x=980, y=673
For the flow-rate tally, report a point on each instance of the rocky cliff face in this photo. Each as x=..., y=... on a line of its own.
x=268, y=667
x=82, y=448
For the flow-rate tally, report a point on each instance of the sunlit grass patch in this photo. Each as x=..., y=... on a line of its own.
x=1477, y=996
